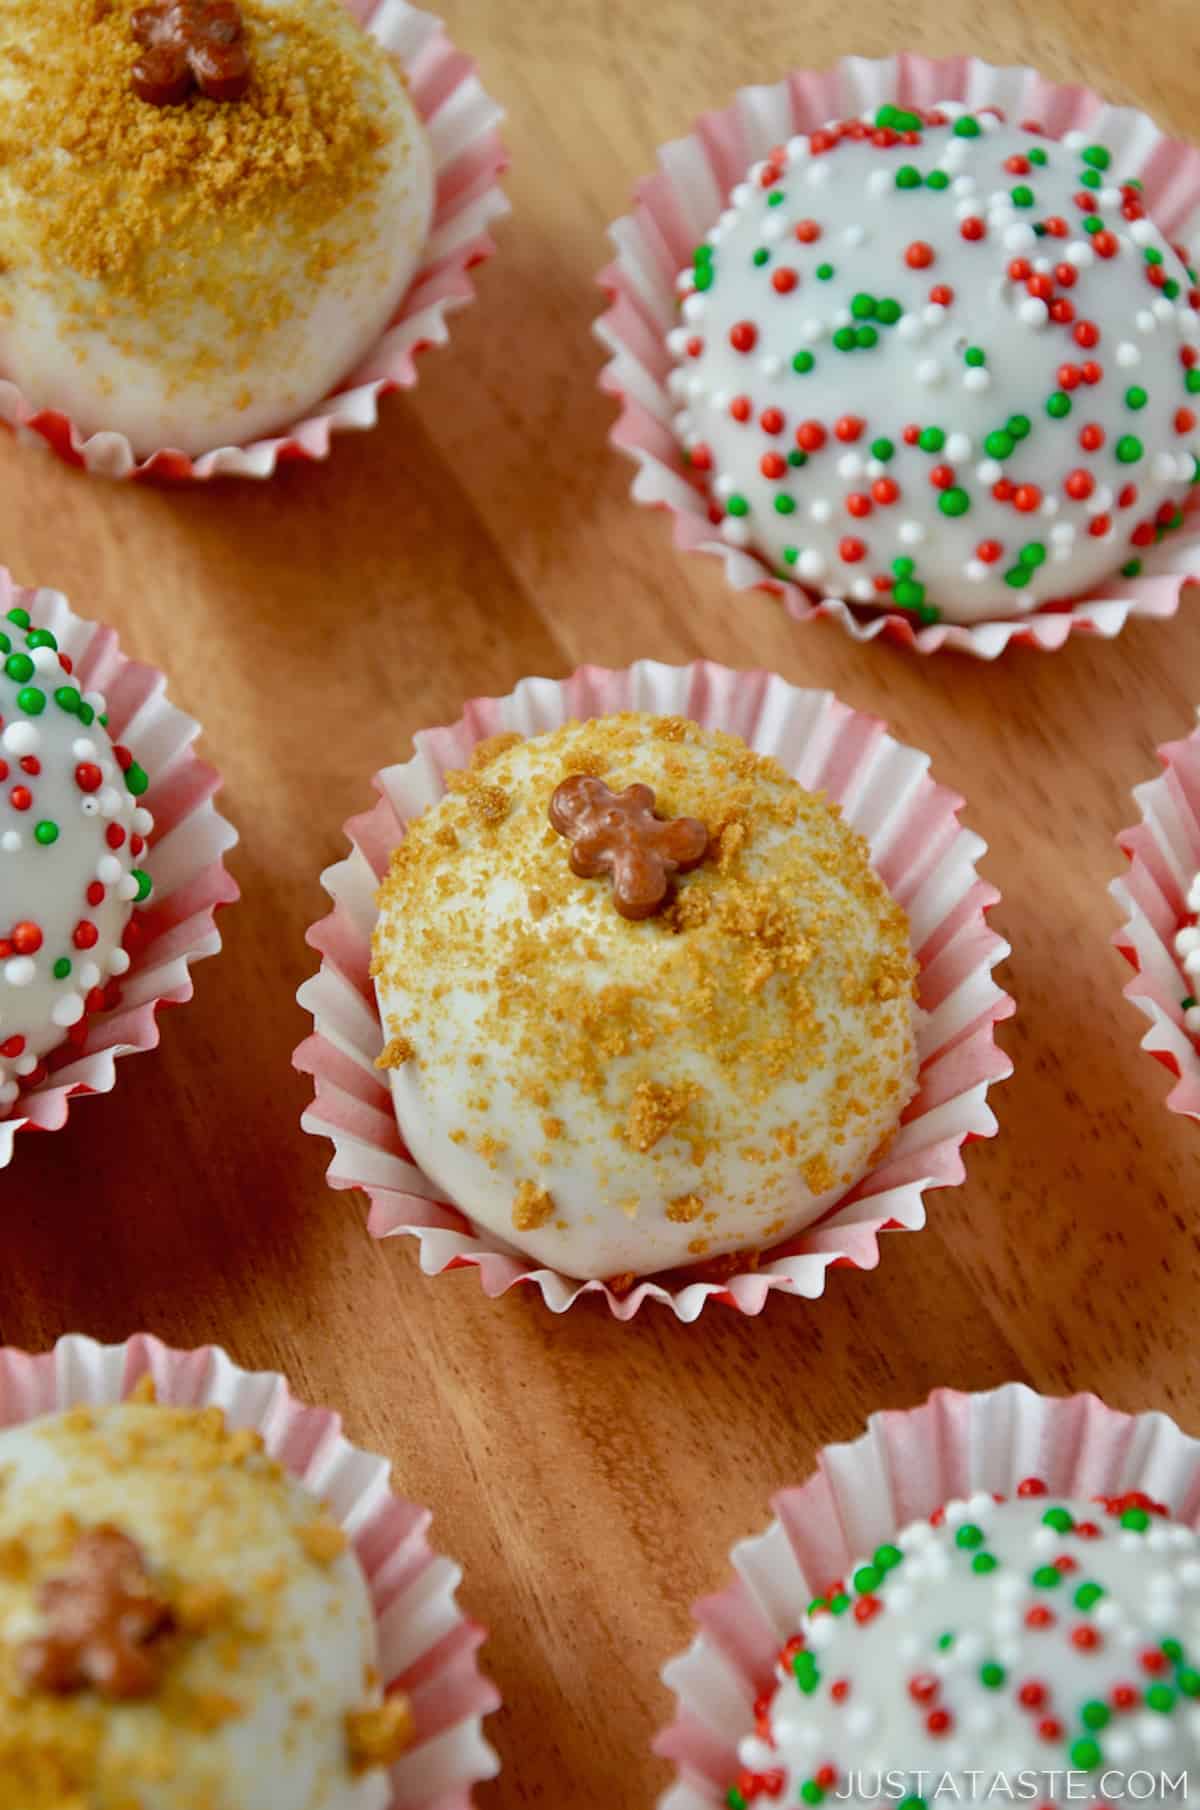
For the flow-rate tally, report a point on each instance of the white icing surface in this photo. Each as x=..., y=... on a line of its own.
x=464, y=1104
x=916, y=373
x=44, y=754
x=117, y=376
x=294, y=1680
x=878, y=1681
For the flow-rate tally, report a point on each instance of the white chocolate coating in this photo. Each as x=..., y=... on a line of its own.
x=613, y=1096
x=209, y=323
x=252, y=1710
x=64, y=903
x=985, y=523
x=1050, y=1665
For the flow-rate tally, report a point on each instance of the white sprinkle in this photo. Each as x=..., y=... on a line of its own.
x=697, y=389
x=20, y=971
x=820, y=509
x=850, y=465
x=108, y=870
x=723, y=487
x=810, y=330
x=958, y=447
x=1050, y=506
x=1080, y=254
x=912, y=533
x=864, y=592
x=1145, y=320
x=929, y=372
x=854, y=234
x=1020, y=237
x=989, y=471
x=771, y=365
x=910, y=326
x=1142, y=232
x=773, y=227
x=677, y=341
x=977, y=377
x=1191, y=1019
x=1166, y=469
x=118, y=962
x=879, y=182
x=695, y=308
x=1063, y=532
x=741, y=194
x=817, y=174
x=89, y=976
x=736, y=531
x=811, y=563
x=1128, y=354
x=69, y=1009
x=1164, y=309
x=1033, y=311
x=976, y=571
x=10, y=841
x=21, y=738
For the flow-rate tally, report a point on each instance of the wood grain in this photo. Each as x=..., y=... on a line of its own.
x=591, y=1477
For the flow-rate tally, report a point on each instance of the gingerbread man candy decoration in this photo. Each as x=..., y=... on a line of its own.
x=190, y=44
x=619, y=834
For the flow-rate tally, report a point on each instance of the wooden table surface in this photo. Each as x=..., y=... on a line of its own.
x=591, y=1477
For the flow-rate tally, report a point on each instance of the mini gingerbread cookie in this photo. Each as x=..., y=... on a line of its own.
x=934, y=362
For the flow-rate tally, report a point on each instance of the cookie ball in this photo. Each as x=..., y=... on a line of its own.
x=645, y=1000
x=938, y=363
x=72, y=842
x=180, y=1623
x=1036, y=1639
x=193, y=257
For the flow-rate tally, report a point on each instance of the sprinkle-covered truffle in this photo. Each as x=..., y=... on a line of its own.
x=209, y=211
x=645, y=1002
x=1038, y=1640
x=933, y=362
x=181, y=1624
x=72, y=852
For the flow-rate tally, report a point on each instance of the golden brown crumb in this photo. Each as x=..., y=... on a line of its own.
x=532, y=1207
x=323, y=1541
x=685, y=1209
x=395, y=1053
x=655, y=1110
x=143, y=1390
x=377, y=1737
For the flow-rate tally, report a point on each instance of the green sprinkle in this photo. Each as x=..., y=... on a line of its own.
x=702, y=276
x=1170, y=289
x=824, y=272
x=145, y=884
x=984, y=1561
x=41, y=637
x=1097, y=156
x=937, y=179
x=998, y=444
x=31, y=700
x=1135, y=1520
x=791, y=555
x=1173, y=1651
x=1047, y=1577
x=991, y=1675
x=903, y=566
x=803, y=363
x=1016, y=576
x=888, y=1557
x=1153, y=255
x=866, y=1579
x=882, y=450
x=761, y=256
x=86, y=714
x=1131, y=568
x=1189, y=1681
x=1033, y=554
x=945, y=1642
x=775, y=198
x=734, y=1799
x=1136, y=397
x=1192, y=381
x=840, y=1603
x=1096, y=1715
x=913, y=1803
x=1085, y=1754
x=967, y=126
x=68, y=699
x=844, y=339
x=1091, y=179
x=45, y=833
x=5, y=643
x=797, y=456
x=784, y=504
x=1093, y=223
x=888, y=311
x=908, y=176
x=19, y=667
x=1129, y=449
x=887, y=115
x=1022, y=195
x=703, y=253
x=862, y=306
x=969, y=1536
x=1037, y=155
x=20, y=617
x=1160, y=1697
x=908, y=594
x=866, y=337
x=931, y=439
x=62, y=967
x=975, y=355
x=737, y=505
x=1019, y=426
x=1088, y=1595
x=1058, y=405
x=811, y=1792
x=954, y=501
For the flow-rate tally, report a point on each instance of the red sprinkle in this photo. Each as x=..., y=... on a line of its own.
x=1080, y=485
x=857, y=504
x=1091, y=437
x=1027, y=497
x=784, y=279
x=973, y=227
x=743, y=336
x=771, y=421
x=739, y=408
x=849, y=427
x=919, y=255
x=810, y=435
x=851, y=551
x=807, y=231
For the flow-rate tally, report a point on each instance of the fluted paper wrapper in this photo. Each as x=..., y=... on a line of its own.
x=919, y=849
x=185, y=860
x=905, y=1466
x=676, y=206
x=1164, y=859
x=427, y=1648
x=469, y=159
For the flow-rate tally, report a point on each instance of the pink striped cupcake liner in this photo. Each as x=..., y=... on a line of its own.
x=919, y=849
x=469, y=160
x=676, y=206
x=185, y=860
x=861, y=1494
x=427, y=1647
x=1164, y=858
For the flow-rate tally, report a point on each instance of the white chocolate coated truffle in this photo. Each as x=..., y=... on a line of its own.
x=272, y=1654
x=948, y=366
x=196, y=275
x=1042, y=1640
x=72, y=836
x=615, y=1096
